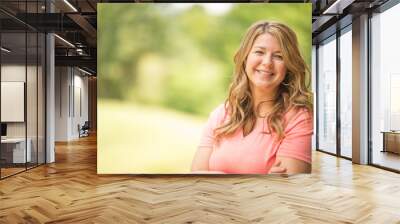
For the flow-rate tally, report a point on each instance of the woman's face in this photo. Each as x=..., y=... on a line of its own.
x=264, y=65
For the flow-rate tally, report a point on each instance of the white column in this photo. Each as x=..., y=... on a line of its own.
x=50, y=99
x=314, y=90
x=50, y=92
x=360, y=90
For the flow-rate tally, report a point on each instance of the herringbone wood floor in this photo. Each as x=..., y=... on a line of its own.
x=70, y=191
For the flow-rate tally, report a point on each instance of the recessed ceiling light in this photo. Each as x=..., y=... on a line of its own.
x=64, y=40
x=71, y=6
x=337, y=7
x=84, y=71
x=5, y=49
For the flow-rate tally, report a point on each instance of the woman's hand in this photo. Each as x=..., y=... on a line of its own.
x=292, y=166
x=277, y=168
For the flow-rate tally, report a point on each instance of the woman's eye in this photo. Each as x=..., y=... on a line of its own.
x=279, y=57
x=259, y=52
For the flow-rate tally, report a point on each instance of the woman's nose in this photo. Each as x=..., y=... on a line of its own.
x=267, y=60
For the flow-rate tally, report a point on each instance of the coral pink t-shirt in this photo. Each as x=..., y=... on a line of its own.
x=256, y=152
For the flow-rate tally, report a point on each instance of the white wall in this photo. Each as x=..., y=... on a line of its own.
x=12, y=101
x=33, y=126
x=71, y=94
x=15, y=73
x=62, y=81
x=80, y=110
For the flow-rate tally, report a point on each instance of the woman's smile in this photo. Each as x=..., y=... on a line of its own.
x=264, y=72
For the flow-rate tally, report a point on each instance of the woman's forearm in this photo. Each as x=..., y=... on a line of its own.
x=201, y=159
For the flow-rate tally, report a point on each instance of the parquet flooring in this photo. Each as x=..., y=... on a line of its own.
x=70, y=191
x=9, y=171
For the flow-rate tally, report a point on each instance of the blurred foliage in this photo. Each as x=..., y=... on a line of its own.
x=181, y=58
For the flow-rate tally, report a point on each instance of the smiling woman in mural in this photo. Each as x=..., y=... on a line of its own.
x=265, y=125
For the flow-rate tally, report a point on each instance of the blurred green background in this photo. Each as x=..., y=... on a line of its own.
x=162, y=68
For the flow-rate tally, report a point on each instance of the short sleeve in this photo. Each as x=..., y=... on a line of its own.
x=214, y=120
x=297, y=141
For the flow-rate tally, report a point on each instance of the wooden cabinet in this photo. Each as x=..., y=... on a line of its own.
x=391, y=142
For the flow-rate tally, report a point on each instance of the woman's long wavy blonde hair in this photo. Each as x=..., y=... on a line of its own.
x=292, y=93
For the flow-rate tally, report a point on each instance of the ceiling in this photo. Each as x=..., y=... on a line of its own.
x=76, y=22
x=77, y=25
x=332, y=15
